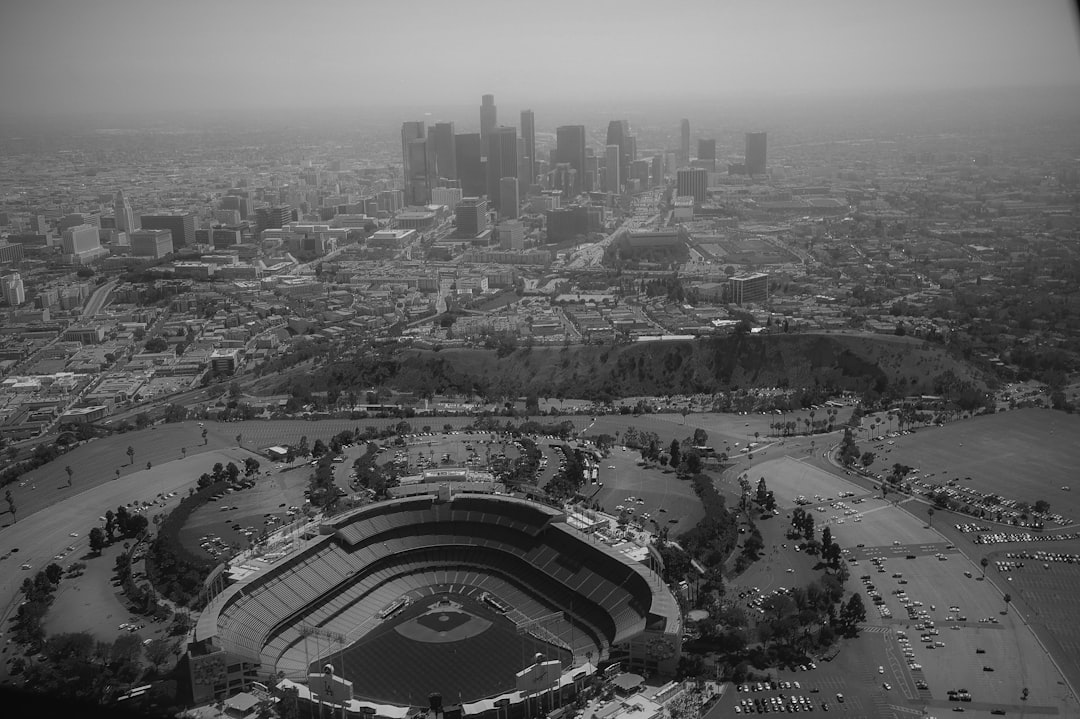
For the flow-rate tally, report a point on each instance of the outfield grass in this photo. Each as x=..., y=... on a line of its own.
x=1026, y=454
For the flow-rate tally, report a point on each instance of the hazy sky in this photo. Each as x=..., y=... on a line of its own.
x=134, y=55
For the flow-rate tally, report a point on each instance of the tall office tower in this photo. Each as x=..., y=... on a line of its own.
x=570, y=150
x=657, y=170
x=509, y=200
x=266, y=218
x=501, y=161
x=706, y=154
x=14, y=292
x=755, y=153
x=618, y=133
x=125, y=218
x=528, y=134
x=692, y=182
x=471, y=216
x=417, y=163
x=611, y=169
x=684, y=142
x=470, y=164
x=80, y=240
x=181, y=224
x=639, y=170
x=442, y=137
x=488, y=116
x=524, y=164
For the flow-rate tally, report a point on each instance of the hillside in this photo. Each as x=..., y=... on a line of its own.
x=831, y=362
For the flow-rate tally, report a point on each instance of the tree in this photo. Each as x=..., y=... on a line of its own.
x=867, y=459
x=204, y=436
x=131, y=454
x=53, y=573
x=118, y=473
x=984, y=563
x=675, y=455
x=701, y=437
x=1008, y=600
x=149, y=464
x=854, y=612
x=97, y=540
x=183, y=452
x=318, y=449
x=158, y=652
x=232, y=471
x=251, y=466
x=70, y=472
x=240, y=440
x=930, y=514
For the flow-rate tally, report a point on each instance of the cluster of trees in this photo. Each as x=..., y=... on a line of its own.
x=830, y=550
x=765, y=498
x=174, y=571
x=808, y=425
x=713, y=538
x=228, y=473
x=369, y=474
x=38, y=597
x=802, y=525
x=567, y=481
x=119, y=525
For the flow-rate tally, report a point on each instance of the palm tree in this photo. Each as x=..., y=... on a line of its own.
x=70, y=472
x=131, y=454
x=240, y=440
x=930, y=512
x=183, y=451
x=118, y=473
x=204, y=435
x=1008, y=599
x=984, y=563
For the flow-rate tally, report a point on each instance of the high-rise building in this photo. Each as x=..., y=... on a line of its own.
x=181, y=224
x=80, y=240
x=509, y=200
x=692, y=182
x=418, y=163
x=611, y=169
x=657, y=170
x=442, y=136
x=618, y=133
x=528, y=135
x=755, y=153
x=471, y=216
x=151, y=243
x=488, y=116
x=706, y=154
x=639, y=170
x=501, y=162
x=684, y=142
x=749, y=288
x=12, y=287
x=125, y=218
x=470, y=164
x=570, y=150
x=266, y=218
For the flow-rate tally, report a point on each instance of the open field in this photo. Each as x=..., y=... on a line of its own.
x=657, y=489
x=1025, y=454
x=788, y=478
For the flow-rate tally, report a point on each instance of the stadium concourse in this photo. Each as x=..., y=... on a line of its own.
x=438, y=592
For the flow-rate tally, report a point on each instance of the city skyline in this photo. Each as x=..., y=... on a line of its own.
x=785, y=49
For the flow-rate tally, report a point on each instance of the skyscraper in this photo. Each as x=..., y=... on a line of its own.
x=445, y=149
x=570, y=149
x=12, y=286
x=471, y=216
x=706, y=154
x=470, y=164
x=528, y=134
x=125, y=218
x=618, y=133
x=611, y=169
x=684, y=142
x=755, y=153
x=501, y=162
x=692, y=182
x=488, y=116
x=509, y=201
x=418, y=162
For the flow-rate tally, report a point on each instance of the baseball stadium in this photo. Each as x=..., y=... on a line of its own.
x=456, y=594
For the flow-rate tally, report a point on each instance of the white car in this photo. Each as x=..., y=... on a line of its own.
x=74, y=534
x=881, y=670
